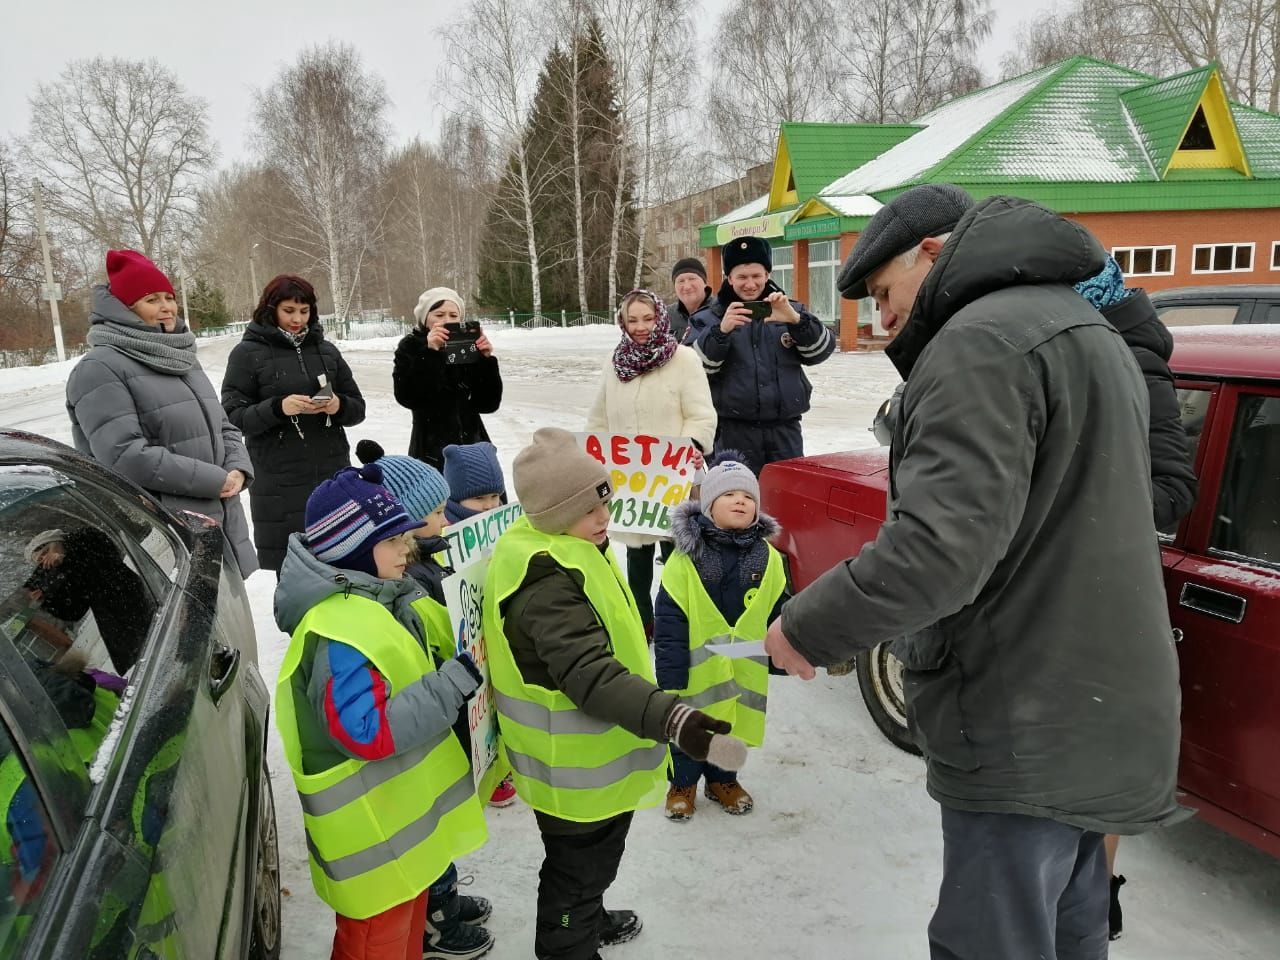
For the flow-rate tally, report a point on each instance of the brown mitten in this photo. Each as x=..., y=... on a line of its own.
x=704, y=738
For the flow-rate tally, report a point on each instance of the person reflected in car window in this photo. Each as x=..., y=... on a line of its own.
x=83, y=571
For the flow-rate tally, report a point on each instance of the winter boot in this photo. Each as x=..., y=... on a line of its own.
x=731, y=797
x=462, y=943
x=619, y=926
x=681, y=802
x=450, y=933
x=504, y=794
x=1117, y=915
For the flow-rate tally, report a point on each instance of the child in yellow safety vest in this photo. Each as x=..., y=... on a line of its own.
x=723, y=583
x=583, y=723
x=453, y=918
x=365, y=718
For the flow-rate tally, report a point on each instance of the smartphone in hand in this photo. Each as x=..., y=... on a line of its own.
x=760, y=309
x=461, y=345
x=325, y=393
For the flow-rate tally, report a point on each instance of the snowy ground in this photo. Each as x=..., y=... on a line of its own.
x=841, y=857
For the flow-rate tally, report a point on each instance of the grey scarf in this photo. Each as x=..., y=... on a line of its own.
x=173, y=353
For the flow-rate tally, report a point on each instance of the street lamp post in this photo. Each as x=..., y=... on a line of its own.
x=253, y=279
x=52, y=291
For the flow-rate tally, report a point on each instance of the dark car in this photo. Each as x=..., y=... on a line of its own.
x=138, y=819
x=1232, y=303
x=1221, y=572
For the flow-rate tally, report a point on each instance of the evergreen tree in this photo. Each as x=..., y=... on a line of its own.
x=504, y=267
x=208, y=306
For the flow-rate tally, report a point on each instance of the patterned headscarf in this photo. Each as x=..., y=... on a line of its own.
x=1106, y=288
x=631, y=359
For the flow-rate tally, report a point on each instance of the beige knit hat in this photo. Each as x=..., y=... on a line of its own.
x=557, y=482
x=434, y=296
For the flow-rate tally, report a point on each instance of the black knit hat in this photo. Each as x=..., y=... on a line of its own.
x=924, y=211
x=746, y=250
x=689, y=265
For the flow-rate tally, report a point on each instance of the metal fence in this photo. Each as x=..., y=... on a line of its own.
x=554, y=318
x=36, y=356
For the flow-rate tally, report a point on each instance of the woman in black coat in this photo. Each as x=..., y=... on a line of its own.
x=294, y=441
x=446, y=398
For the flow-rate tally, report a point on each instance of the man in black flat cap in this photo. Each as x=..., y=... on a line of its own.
x=756, y=367
x=1015, y=575
x=689, y=277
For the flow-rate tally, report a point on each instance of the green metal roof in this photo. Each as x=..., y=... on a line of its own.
x=1070, y=127
x=1161, y=110
x=822, y=152
x=1260, y=134
x=1079, y=136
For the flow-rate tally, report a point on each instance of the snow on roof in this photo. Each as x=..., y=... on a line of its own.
x=945, y=129
x=859, y=206
x=755, y=208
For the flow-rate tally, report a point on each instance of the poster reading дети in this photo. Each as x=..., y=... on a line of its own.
x=651, y=476
x=471, y=545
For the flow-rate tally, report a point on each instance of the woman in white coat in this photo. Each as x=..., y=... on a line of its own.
x=654, y=386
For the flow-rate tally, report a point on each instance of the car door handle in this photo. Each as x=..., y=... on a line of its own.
x=1213, y=603
x=223, y=668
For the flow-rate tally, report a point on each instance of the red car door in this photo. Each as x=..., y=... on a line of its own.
x=1224, y=600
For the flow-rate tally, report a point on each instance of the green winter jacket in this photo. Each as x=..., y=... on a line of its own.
x=1018, y=568
x=558, y=643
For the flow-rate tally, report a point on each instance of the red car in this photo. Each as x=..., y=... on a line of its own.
x=1221, y=572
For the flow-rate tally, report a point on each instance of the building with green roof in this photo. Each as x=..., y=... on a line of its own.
x=1180, y=183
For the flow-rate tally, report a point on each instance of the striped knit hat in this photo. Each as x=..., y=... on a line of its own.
x=417, y=485
x=352, y=513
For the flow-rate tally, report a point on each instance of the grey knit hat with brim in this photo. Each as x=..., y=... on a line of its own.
x=928, y=210
x=726, y=477
x=557, y=482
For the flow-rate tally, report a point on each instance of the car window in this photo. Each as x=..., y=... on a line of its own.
x=82, y=570
x=1192, y=315
x=1193, y=407
x=1272, y=314
x=28, y=847
x=1248, y=516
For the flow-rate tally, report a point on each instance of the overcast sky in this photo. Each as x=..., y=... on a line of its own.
x=221, y=51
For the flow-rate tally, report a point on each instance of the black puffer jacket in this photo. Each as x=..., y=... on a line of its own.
x=1173, y=477
x=446, y=400
x=291, y=455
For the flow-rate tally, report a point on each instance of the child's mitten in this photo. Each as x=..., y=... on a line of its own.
x=703, y=737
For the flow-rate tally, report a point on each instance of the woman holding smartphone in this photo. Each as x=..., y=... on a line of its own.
x=291, y=394
x=446, y=373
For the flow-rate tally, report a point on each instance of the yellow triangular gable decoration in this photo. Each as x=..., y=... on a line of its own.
x=782, y=189
x=1227, y=152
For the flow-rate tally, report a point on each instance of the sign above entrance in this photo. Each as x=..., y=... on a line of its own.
x=771, y=225
x=821, y=227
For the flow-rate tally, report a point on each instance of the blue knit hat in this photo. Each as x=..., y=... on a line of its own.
x=473, y=470
x=417, y=485
x=350, y=514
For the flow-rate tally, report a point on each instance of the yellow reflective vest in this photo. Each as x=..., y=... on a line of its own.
x=736, y=690
x=378, y=832
x=565, y=762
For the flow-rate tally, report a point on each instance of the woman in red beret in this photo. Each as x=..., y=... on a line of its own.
x=141, y=405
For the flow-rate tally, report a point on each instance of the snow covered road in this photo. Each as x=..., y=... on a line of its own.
x=841, y=857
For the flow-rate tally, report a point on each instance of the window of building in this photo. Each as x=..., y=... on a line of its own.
x=1275, y=254
x=1222, y=258
x=1198, y=135
x=1144, y=261
x=1248, y=517
x=824, y=264
x=784, y=270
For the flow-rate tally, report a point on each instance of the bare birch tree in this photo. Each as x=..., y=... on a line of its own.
x=320, y=129
x=120, y=146
x=494, y=53
x=771, y=62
